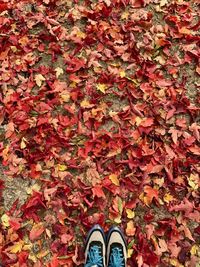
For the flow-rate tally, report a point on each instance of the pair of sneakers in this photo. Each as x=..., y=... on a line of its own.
x=102, y=250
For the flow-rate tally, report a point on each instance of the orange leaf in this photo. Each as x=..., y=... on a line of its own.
x=150, y=194
x=36, y=231
x=130, y=229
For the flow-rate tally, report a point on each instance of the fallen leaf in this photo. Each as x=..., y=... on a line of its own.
x=102, y=87
x=59, y=71
x=17, y=247
x=130, y=228
x=5, y=220
x=36, y=231
x=39, y=78
x=114, y=179
x=130, y=213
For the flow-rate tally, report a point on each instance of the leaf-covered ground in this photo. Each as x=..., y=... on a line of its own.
x=99, y=123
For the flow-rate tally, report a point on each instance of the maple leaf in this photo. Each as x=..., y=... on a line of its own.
x=59, y=71
x=130, y=213
x=185, y=206
x=17, y=247
x=130, y=229
x=114, y=179
x=5, y=220
x=196, y=130
x=102, y=87
x=150, y=193
x=39, y=78
x=146, y=122
x=36, y=231
x=97, y=191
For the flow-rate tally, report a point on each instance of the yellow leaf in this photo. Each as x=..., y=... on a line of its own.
x=18, y=62
x=32, y=257
x=184, y=30
x=23, y=143
x=86, y=104
x=81, y=34
x=193, y=181
x=13, y=48
x=175, y=263
x=73, y=84
x=42, y=254
x=5, y=220
x=194, y=250
x=130, y=252
x=27, y=247
x=17, y=247
x=122, y=74
x=62, y=167
x=138, y=120
x=35, y=187
x=168, y=198
x=163, y=2
x=65, y=97
x=118, y=219
x=130, y=213
x=59, y=71
x=114, y=179
x=102, y=87
x=39, y=78
x=125, y=15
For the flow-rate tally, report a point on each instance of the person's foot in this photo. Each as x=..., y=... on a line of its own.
x=116, y=248
x=95, y=248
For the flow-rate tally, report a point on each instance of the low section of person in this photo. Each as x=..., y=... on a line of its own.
x=105, y=250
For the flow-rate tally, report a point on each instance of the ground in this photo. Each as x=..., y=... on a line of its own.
x=99, y=123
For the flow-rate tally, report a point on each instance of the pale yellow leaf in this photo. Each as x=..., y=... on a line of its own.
x=65, y=97
x=138, y=120
x=163, y=2
x=108, y=2
x=122, y=74
x=86, y=104
x=18, y=62
x=59, y=71
x=39, y=78
x=118, y=219
x=35, y=187
x=193, y=181
x=23, y=143
x=125, y=15
x=114, y=179
x=5, y=220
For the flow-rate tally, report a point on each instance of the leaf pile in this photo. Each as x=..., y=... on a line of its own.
x=99, y=106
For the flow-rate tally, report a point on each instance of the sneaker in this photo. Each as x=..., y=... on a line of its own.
x=95, y=249
x=116, y=248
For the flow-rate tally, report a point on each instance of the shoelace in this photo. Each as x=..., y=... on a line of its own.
x=116, y=258
x=94, y=257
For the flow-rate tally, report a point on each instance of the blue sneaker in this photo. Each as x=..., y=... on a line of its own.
x=95, y=249
x=116, y=248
